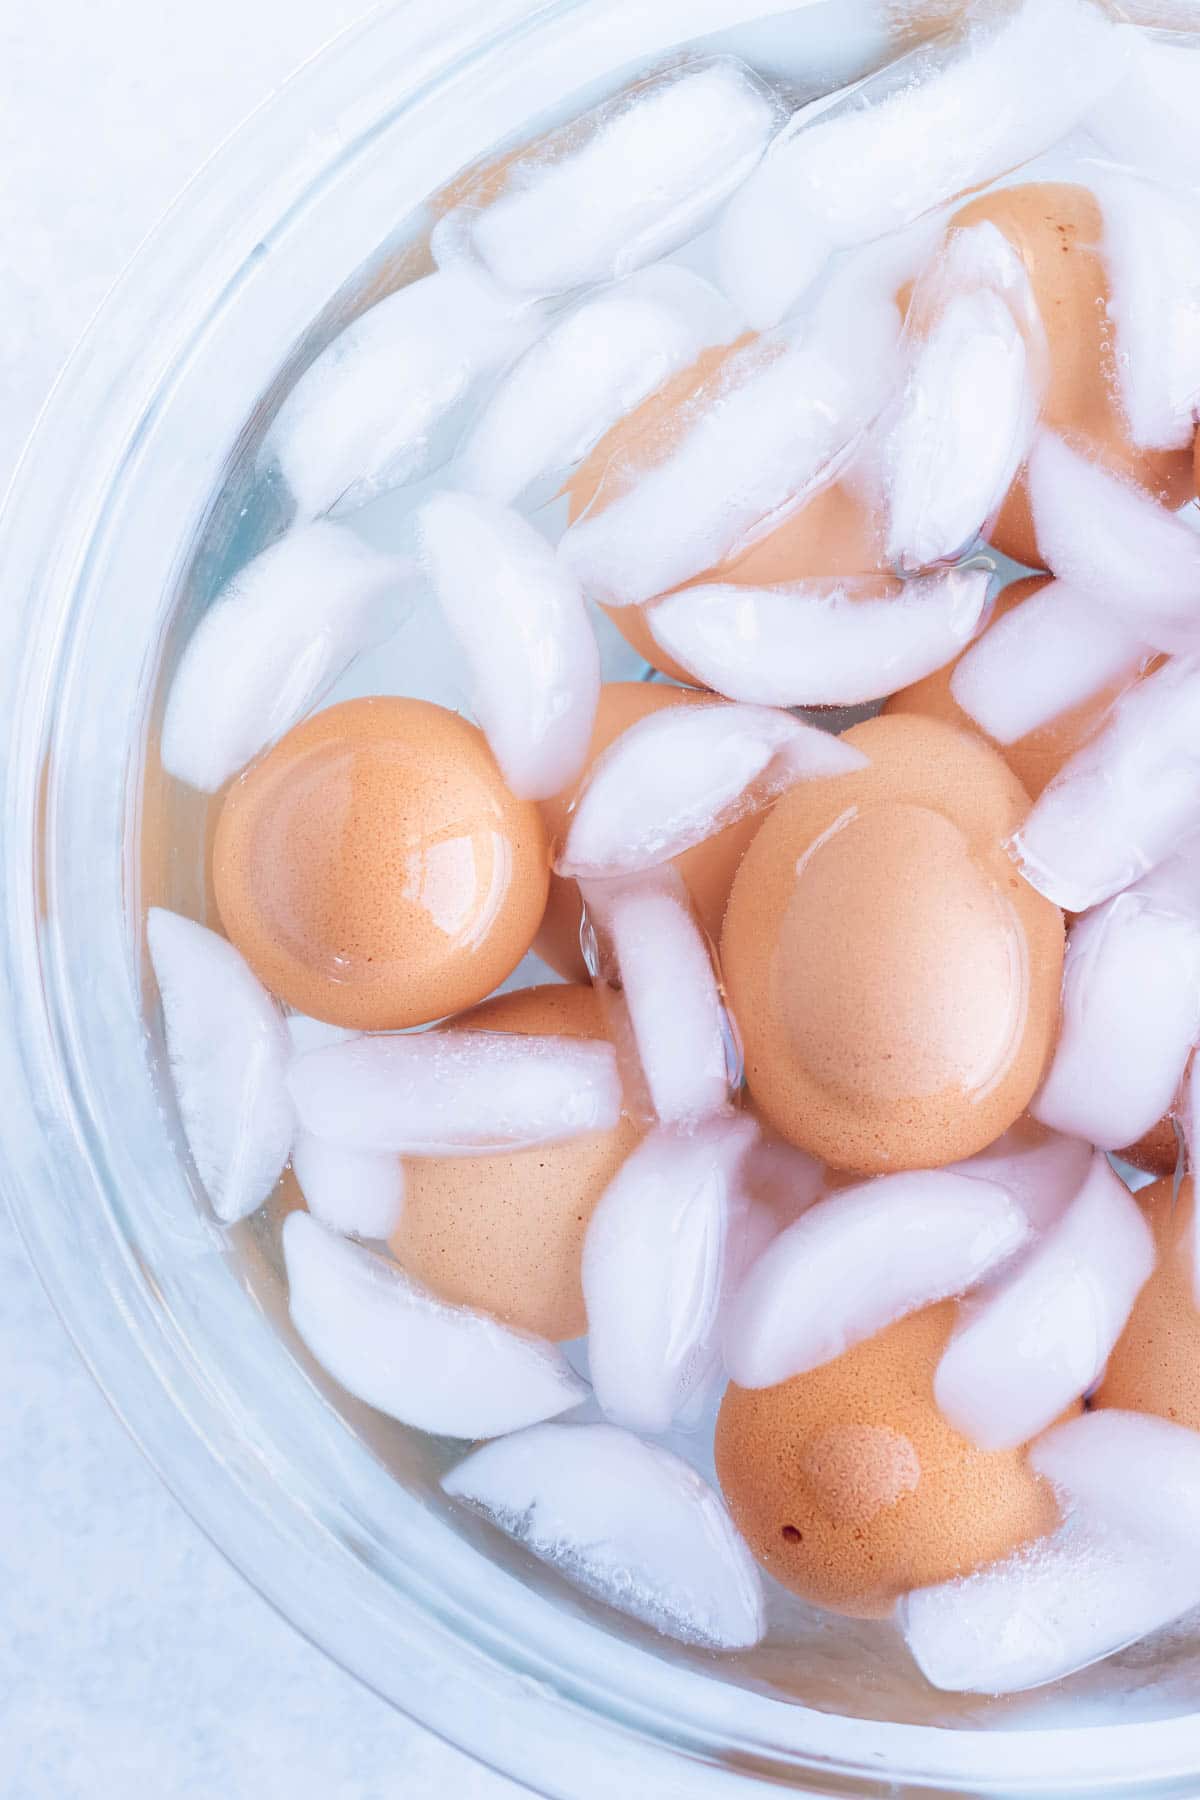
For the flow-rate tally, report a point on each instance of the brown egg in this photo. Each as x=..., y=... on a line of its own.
x=1036, y=758
x=505, y=1233
x=1058, y=230
x=851, y=1489
x=1155, y=1366
x=832, y=535
x=374, y=870
x=708, y=868
x=1156, y=1151
x=1196, y=466
x=895, y=979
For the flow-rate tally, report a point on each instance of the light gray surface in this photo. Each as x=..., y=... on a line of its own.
x=133, y=1662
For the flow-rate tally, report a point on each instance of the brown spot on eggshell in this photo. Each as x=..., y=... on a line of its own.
x=895, y=979
x=833, y=534
x=1036, y=758
x=708, y=868
x=1058, y=230
x=374, y=870
x=1155, y=1366
x=850, y=1487
x=504, y=1234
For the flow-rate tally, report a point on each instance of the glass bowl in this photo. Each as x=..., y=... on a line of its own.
x=135, y=497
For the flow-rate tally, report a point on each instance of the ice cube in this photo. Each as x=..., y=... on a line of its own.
x=356, y=1192
x=1057, y=1606
x=681, y=774
x=781, y=1180
x=622, y=184
x=1123, y=802
x=1111, y=541
x=593, y=366
x=1090, y=1460
x=1040, y=1336
x=820, y=643
x=386, y=1341
x=274, y=641
x=861, y=1259
x=1150, y=118
x=628, y=1521
x=663, y=967
x=771, y=424
x=228, y=1053
x=944, y=119
x=965, y=421
x=381, y=402
x=1054, y=651
x=1131, y=1014
x=1152, y=253
x=307, y=1033
x=521, y=623
x=1042, y=1170
x=657, y=1261
x=456, y=1092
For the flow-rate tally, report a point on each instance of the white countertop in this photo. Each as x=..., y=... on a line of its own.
x=133, y=1661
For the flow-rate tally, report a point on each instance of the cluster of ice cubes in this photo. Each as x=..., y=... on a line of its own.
x=553, y=313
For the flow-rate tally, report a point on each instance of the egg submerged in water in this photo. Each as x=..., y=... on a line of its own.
x=895, y=979
x=850, y=1487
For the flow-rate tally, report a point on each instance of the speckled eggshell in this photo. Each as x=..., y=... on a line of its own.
x=895, y=979
x=1155, y=1367
x=1036, y=758
x=851, y=1489
x=1156, y=1151
x=1058, y=230
x=505, y=1233
x=374, y=870
x=833, y=534
x=708, y=868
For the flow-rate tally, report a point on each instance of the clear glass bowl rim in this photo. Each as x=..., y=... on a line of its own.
x=581, y=1720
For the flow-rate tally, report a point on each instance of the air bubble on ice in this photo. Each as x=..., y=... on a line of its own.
x=625, y=183
x=668, y=983
x=1039, y=1337
x=923, y=130
x=520, y=621
x=390, y=1343
x=681, y=774
x=628, y=1521
x=657, y=1260
x=271, y=645
x=861, y=1259
x=593, y=367
x=1152, y=252
x=1124, y=801
x=456, y=1092
x=1131, y=1014
x=1111, y=541
x=380, y=404
x=356, y=1192
x=1053, y=652
x=228, y=1053
x=820, y=643
x=1054, y=1607
x=759, y=434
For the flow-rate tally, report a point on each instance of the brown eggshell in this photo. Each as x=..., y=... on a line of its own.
x=1058, y=230
x=374, y=870
x=1196, y=467
x=850, y=1487
x=1155, y=1367
x=895, y=979
x=505, y=1233
x=1036, y=758
x=708, y=868
x=832, y=535
x=1156, y=1151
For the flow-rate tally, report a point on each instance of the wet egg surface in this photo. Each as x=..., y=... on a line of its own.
x=374, y=870
x=1155, y=1367
x=895, y=979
